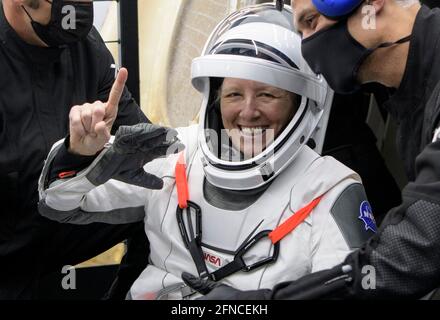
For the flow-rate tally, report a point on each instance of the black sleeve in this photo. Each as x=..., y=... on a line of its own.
x=129, y=112
x=65, y=161
x=405, y=254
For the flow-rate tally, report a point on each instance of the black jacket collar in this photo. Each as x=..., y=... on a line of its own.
x=419, y=64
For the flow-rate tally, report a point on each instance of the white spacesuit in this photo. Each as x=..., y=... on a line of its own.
x=249, y=223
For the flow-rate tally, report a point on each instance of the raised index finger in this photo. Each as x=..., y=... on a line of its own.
x=116, y=91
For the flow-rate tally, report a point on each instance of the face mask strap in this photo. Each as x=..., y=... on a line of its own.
x=383, y=45
x=28, y=14
x=324, y=30
x=390, y=44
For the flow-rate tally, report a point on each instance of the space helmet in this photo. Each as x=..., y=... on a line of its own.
x=256, y=43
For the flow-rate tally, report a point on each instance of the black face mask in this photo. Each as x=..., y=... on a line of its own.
x=335, y=54
x=61, y=30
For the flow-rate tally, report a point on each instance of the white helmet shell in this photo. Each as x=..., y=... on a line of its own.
x=276, y=61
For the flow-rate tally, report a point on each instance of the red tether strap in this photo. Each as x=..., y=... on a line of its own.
x=182, y=182
x=290, y=224
x=67, y=174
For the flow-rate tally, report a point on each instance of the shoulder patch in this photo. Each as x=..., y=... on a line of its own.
x=366, y=215
x=353, y=215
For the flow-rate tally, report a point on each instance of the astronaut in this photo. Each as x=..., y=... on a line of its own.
x=248, y=202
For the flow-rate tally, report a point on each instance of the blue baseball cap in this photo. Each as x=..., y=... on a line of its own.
x=335, y=9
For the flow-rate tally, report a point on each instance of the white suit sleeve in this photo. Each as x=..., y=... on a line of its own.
x=78, y=201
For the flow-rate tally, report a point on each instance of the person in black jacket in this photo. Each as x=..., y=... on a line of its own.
x=47, y=66
x=403, y=258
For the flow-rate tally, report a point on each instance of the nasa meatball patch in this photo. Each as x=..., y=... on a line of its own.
x=366, y=215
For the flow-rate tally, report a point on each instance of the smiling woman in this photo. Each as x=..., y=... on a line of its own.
x=254, y=113
x=261, y=102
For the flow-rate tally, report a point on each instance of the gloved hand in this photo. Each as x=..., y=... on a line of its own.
x=324, y=284
x=133, y=147
x=217, y=291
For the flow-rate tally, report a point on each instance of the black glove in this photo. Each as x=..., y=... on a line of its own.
x=325, y=284
x=134, y=146
x=217, y=291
